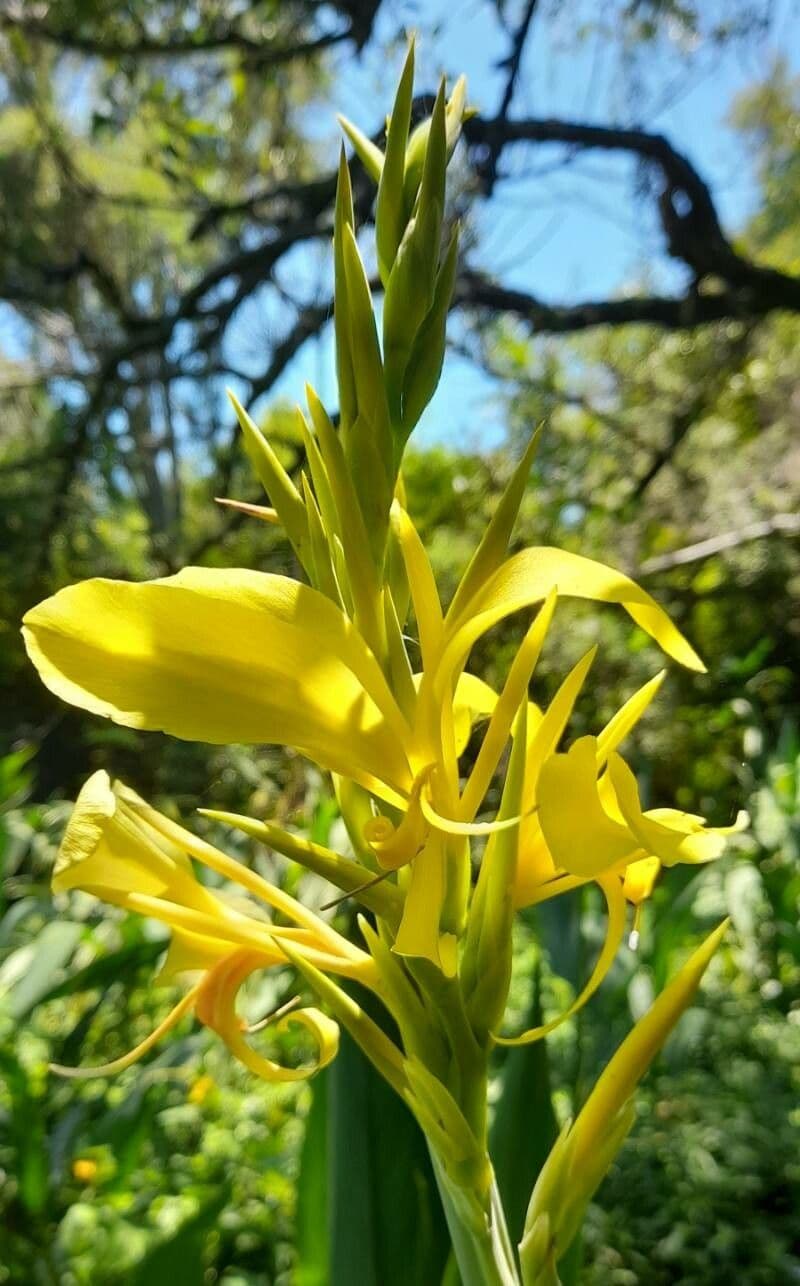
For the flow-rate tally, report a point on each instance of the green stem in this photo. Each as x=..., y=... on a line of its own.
x=480, y=1239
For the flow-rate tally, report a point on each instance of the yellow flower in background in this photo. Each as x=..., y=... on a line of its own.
x=84, y=1169
x=200, y=1089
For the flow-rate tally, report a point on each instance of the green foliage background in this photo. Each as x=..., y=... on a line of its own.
x=654, y=441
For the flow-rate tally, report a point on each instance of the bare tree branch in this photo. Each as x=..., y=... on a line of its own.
x=512, y=64
x=725, y=284
x=688, y=216
x=680, y=313
x=778, y=524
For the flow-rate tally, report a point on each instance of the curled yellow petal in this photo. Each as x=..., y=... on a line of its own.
x=615, y=902
x=395, y=846
x=530, y=575
x=455, y=826
x=216, y=1008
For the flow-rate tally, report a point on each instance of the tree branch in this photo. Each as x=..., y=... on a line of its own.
x=778, y=524
x=688, y=217
x=474, y=290
x=260, y=53
x=512, y=64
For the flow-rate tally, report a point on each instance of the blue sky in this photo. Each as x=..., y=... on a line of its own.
x=565, y=233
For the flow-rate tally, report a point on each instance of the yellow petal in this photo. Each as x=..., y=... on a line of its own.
x=190, y=953
x=419, y=933
x=454, y=825
x=536, y=864
x=225, y=656
x=494, y=543
x=580, y=835
x=529, y=576
x=548, y=731
x=105, y=847
x=628, y=715
x=473, y=701
x=395, y=846
x=424, y=594
x=505, y=711
x=670, y=835
x=378, y=1047
x=615, y=901
x=216, y=1007
x=640, y=876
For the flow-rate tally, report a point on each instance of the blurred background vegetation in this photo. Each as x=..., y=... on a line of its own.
x=629, y=191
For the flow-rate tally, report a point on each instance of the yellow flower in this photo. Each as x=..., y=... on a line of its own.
x=201, y=1089
x=121, y=850
x=244, y=656
x=84, y=1169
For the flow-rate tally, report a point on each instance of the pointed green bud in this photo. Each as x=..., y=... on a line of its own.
x=343, y=217
x=365, y=349
x=432, y=187
x=360, y=571
x=426, y=359
x=390, y=216
x=284, y=495
x=368, y=442
x=319, y=475
x=324, y=578
x=455, y=114
x=370, y=156
x=584, y=1152
x=412, y=282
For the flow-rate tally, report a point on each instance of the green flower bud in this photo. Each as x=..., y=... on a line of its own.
x=390, y=215
x=427, y=354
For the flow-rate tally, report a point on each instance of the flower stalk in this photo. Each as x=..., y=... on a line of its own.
x=324, y=666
